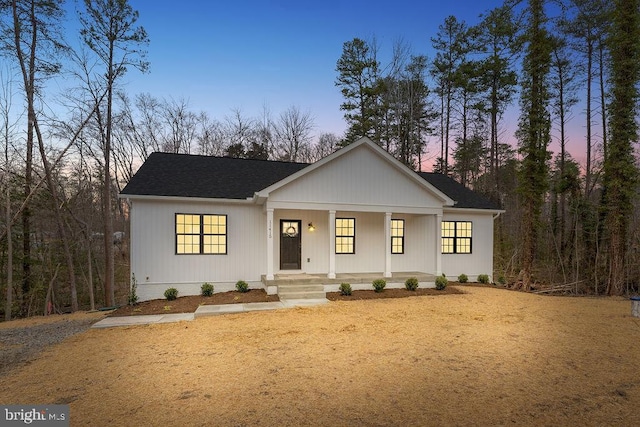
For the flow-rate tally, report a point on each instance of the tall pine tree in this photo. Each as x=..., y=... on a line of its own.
x=534, y=133
x=620, y=173
x=358, y=81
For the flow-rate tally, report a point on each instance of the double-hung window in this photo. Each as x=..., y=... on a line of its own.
x=201, y=234
x=456, y=237
x=397, y=236
x=345, y=236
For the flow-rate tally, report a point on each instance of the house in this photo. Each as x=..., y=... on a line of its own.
x=290, y=228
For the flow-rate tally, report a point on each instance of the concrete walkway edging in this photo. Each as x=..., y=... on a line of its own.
x=205, y=310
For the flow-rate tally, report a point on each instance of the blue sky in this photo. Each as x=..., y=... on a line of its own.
x=222, y=55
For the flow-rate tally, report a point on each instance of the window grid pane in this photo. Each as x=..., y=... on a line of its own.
x=456, y=237
x=201, y=234
x=187, y=231
x=447, y=245
x=345, y=235
x=397, y=236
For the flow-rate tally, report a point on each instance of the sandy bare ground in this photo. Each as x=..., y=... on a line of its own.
x=487, y=357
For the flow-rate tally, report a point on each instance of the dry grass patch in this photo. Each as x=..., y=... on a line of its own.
x=486, y=357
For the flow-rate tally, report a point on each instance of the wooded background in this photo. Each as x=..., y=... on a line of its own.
x=571, y=218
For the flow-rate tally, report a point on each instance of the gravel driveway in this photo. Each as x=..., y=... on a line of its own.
x=21, y=341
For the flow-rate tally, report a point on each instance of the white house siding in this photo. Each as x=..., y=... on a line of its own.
x=360, y=179
x=419, y=253
x=369, y=246
x=157, y=267
x=480, y=261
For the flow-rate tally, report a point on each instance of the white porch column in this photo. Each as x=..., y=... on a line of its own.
x=438, y=244
x=332, y=245
x=269, y=244
x=387, y=244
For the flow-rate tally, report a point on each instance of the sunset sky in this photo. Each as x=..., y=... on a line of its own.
x=224, y=55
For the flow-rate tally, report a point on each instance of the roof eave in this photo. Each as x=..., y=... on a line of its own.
x=184, y=198
x=452, y=209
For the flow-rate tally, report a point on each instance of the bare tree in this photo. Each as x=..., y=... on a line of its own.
x=239, y=129
x=109, y=29
x=326, y=144
x=31, y=37
x=180, y=126
x=211, y=136
x=8, y=129
x=293, y=133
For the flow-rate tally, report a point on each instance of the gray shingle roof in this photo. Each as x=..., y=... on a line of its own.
x=167, y=174
x=183, y=175
x=464, y=197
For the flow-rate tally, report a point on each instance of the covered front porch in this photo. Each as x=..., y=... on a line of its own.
x=306, y=246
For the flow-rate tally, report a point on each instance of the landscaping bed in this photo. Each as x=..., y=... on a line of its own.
x=391, y=293
x=189, y=304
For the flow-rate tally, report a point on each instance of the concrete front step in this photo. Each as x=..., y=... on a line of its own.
x=301, y=291
x=301, y=295
x=302, y=287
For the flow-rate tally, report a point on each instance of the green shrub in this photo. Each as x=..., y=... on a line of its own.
x=411, y=284
x=171, y=294
x=463, y=278
x=483, y=278
x=441, y=283
x=206, y=289
x=502, y=280
x=242, y=286
x=379, y=284
x=132, y=297
x=345, y=289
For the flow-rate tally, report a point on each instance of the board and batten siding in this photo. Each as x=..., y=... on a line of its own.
x=369, y=244
x=360, y=179
x=153, y=250
x=480, y=260
x=419, y=249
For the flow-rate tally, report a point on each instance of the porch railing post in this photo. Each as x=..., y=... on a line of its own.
x=332, y=245
x=270, y=244
x=438, y=244
x=387, y=244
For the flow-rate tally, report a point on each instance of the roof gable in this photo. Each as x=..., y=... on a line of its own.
x=387, y=160
x=361, y=174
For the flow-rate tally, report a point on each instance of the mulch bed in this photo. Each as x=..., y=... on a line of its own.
x=391, y=293
x=189, y=304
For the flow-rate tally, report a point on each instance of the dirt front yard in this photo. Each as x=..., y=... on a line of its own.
x=485, y=357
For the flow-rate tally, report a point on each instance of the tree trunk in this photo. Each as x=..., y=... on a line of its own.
x=587, y=174
x=27, y=67
x=92, y=300
x=603, y=101
x=9, y=301
x=109, y=270
x=59, y=221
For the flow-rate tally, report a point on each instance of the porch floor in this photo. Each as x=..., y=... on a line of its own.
x=352, y=278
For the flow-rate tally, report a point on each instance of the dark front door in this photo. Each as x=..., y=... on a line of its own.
x=290, y=244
